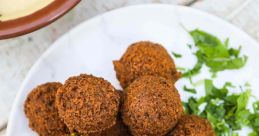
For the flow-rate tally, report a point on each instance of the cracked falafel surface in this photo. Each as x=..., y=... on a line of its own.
x=40, y=109
x=87, y=104
x=152, y=106
x=145, y=58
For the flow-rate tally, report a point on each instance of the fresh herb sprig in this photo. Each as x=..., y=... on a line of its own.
x=216, y=55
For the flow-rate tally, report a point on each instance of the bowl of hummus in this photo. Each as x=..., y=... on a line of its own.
x=18, y=17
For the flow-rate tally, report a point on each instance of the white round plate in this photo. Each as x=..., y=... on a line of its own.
x=92, y=46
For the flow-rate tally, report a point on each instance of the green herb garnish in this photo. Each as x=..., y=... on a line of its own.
x=192, y=106
x=189, y=46
x=214, y=54
x=226, y=112
x=177, y=55
x=190, y=90
x=181, y=68
x=254, y=124
x=256, y=107
x=195, y=70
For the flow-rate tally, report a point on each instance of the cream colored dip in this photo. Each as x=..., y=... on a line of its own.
x=12, y=9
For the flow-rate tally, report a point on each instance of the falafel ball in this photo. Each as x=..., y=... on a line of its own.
x=152, y=106
x=145, y=58
x=88, y=104
x=192, y=125
x=119, y=129
x=40, y=109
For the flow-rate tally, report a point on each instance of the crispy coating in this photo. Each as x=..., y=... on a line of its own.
x=119, y=129
x=40, y=109
x=145, y=58
x=88, y=104
x=152, y=106
x=192, y=125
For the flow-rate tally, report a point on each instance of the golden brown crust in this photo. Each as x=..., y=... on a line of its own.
x=40, y=109
x=145, y=58
x=152, y=106
x=192, y=125
x=87, y=104
x=119, y=129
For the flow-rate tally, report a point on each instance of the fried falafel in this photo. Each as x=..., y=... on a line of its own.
x=88, y=104
x=119, y=129
x=145, y=58
x=40, y=109
x=192, y=125
x=152, y=106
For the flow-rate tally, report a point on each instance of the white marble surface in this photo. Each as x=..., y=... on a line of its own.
x=18, y=55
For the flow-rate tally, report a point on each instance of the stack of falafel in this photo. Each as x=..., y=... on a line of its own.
x=86, y=105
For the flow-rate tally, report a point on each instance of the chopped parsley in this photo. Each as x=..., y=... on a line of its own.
x=226, y=112
x=177, y=55
x=190, y=90
x=180, y=68
x=213, y=53
x=189, y=46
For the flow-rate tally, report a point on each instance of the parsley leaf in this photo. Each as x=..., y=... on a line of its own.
x=254, y=122
x=256, y=106
x=190, y=90
x=214, y=54
x=195, y=70
x=177, y=55
x=243, y=100
x=192, y=106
